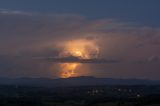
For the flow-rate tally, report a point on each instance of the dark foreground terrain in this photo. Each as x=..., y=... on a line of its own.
x=111, y=95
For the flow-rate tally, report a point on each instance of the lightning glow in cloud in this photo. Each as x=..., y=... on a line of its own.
x=83, y=49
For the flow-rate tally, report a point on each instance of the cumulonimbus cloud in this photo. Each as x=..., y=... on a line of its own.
x=37, y=35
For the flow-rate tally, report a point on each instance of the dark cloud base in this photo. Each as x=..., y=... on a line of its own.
x=78, y=60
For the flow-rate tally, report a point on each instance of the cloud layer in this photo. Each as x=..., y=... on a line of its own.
x=25, y=35
x=73, y=59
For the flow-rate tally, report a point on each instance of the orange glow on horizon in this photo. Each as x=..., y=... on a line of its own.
x=68, y=69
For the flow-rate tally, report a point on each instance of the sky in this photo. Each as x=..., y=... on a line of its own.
x=119, y=39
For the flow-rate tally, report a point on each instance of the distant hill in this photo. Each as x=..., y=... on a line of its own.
x=75, y=81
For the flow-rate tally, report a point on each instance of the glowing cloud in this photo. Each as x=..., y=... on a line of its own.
x=82, y=49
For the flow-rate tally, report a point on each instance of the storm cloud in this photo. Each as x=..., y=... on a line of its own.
x=25, y=35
